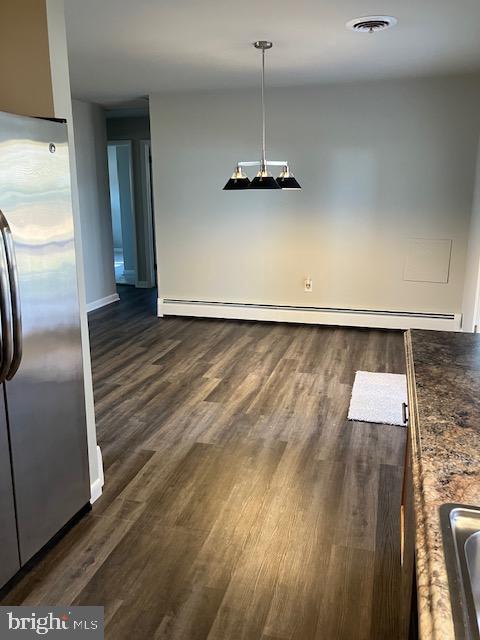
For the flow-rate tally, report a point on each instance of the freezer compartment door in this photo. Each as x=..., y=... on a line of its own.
x=9, y=561
x=45, y=397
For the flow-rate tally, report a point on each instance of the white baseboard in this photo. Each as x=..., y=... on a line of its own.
x=102, y=302
x=97, y=485
x=95, y=490
x=311, y=315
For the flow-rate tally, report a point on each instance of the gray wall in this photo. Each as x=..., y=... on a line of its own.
x=380, y=163
x=135, y=129
x=96, y=223
x=132, y=128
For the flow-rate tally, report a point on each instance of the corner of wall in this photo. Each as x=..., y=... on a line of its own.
x=97, y=485
x=470, y=304
x=63, y=109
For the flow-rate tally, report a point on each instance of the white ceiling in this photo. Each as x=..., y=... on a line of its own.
x=123, y=49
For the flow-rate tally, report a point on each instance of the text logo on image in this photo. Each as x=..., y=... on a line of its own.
x=52, y=622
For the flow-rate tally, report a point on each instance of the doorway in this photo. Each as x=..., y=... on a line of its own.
x=122, y=203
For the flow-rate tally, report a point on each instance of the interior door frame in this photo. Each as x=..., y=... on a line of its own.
x=128, y=143
x=149, y=221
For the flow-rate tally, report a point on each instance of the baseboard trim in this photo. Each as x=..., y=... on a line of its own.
x=97, y=485
x=160, y=303
x=102, y=302
x=311, y=315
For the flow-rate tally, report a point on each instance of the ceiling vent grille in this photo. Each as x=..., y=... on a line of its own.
x=371, y=24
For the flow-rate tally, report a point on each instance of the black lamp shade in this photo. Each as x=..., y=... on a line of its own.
x=288, y=183
x=264, y=182
x=237, y=184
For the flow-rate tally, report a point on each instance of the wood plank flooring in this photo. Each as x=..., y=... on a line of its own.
x=239, y=503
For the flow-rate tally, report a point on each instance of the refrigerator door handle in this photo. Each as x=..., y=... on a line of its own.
x=15, y=306
x=5, y=315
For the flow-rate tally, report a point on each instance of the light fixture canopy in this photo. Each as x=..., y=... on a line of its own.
x=263, y=179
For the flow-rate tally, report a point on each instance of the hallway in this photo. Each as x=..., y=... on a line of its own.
x=239, y=503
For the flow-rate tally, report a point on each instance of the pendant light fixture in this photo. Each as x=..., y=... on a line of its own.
x=263, y=179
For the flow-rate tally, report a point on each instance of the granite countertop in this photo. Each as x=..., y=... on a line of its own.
x=445, y=430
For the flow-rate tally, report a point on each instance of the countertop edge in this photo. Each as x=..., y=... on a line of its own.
x=434, y=609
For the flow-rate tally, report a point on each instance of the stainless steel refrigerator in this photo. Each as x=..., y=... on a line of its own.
x=44, y=477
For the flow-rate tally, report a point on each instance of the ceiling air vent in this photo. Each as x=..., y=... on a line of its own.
x=371, y=24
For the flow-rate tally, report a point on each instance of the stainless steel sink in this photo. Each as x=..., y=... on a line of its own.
x=461, y=542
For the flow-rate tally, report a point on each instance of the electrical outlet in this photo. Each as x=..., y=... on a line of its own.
x=308, y=284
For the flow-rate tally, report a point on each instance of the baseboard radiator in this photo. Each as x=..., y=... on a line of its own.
x=311, y=315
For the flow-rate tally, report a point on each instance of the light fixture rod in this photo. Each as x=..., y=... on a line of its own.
x=263, y=45
x=255, y=163
x=263, y=110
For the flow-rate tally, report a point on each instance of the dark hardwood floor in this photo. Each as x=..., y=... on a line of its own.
x=239, y=502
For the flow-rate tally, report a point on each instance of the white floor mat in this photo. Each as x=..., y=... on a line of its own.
x=378, y=397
